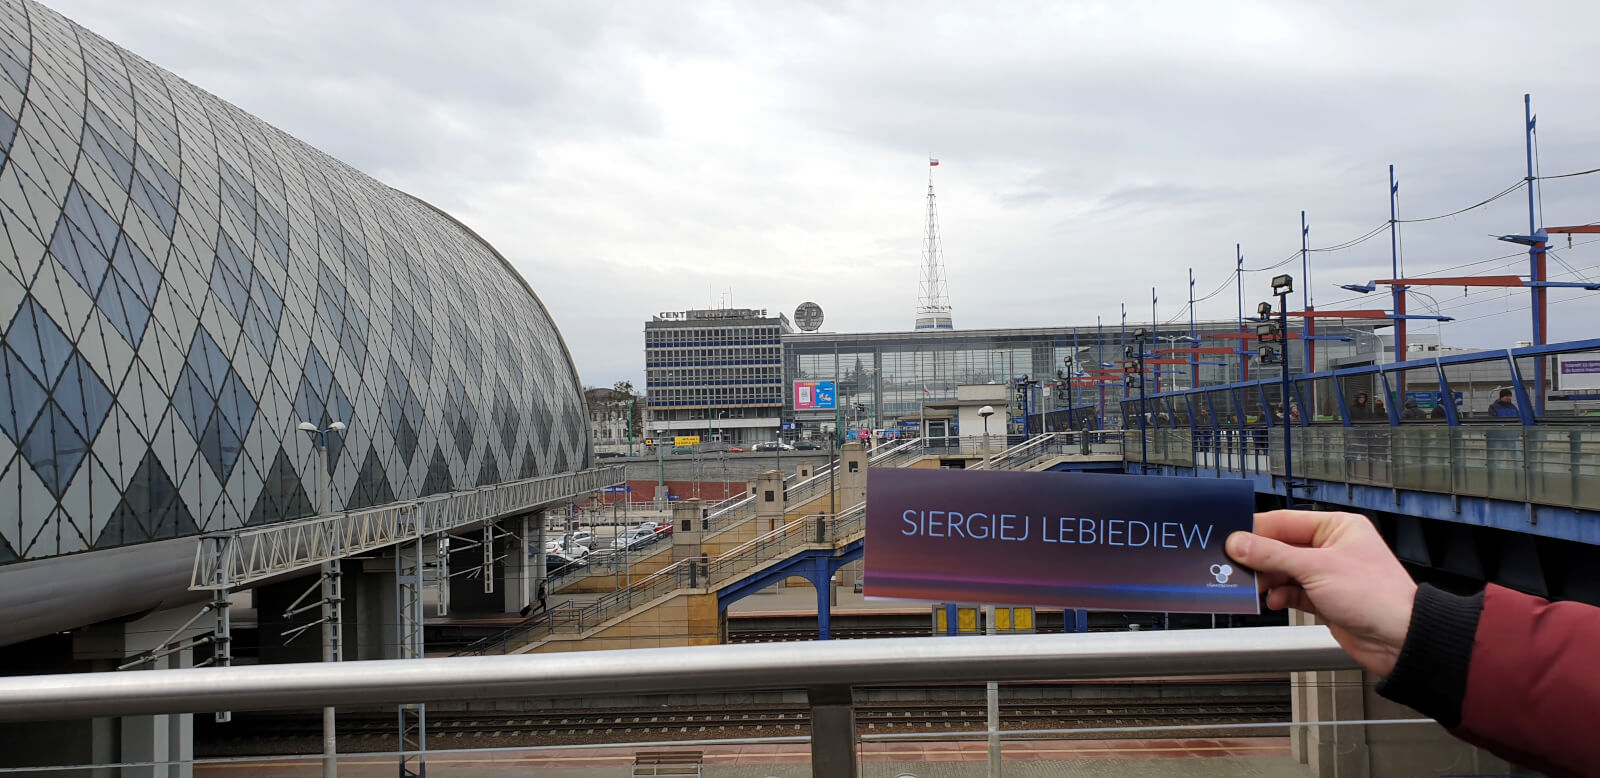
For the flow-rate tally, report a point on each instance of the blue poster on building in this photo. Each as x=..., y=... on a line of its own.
x=826, y=399
x=814, y=395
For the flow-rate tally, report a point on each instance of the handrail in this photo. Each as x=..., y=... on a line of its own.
x=233, y=558
x=731, y=668
x=1015, y=453
x=683, y=574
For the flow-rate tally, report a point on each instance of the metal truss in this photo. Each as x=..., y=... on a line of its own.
x=410, y=578
x=240, y=557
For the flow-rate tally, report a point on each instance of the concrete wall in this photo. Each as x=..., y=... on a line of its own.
x=677, y=620
x=1371, y=750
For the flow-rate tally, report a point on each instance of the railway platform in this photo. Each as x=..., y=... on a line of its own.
x=1262, y=757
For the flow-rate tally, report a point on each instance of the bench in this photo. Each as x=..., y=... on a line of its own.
x=668, y=763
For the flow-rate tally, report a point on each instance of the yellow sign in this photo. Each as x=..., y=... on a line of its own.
x=649, y=442
x=686, y=440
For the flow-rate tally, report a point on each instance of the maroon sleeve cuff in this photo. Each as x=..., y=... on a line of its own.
x=1431, y=674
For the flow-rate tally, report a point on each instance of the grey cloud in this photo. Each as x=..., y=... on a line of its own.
x=628, y=156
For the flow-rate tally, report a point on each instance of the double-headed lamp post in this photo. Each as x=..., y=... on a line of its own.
x=331, y=594
x=1282, y=285
x=1139, y=336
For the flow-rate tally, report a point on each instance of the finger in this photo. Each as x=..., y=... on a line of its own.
x=1298, y=528
x=1290, y=596
x=1266, y=555
x=1265, y=581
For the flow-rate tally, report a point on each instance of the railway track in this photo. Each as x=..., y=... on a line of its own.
x=253, y=734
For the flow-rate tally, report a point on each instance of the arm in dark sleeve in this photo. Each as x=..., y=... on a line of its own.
x=1506, y=671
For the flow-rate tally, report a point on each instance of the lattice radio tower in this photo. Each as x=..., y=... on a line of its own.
x=933, y=295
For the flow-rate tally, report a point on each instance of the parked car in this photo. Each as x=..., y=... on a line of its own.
x=634, y=537
x=556, y=564
x=683, y=449
x=735, y=450
x=581, y=537
x=767, y=446
x=808, y=445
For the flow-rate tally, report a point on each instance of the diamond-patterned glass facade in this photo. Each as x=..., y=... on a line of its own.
x=181, y=284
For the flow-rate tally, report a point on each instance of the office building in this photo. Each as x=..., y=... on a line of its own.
x=715, y=374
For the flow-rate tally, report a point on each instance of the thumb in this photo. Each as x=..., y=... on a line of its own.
x=1266, y=555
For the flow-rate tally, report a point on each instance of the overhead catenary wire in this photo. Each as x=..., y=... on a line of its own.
x=1394, y=224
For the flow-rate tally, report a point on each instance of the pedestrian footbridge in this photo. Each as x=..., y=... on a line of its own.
x=1483, y=465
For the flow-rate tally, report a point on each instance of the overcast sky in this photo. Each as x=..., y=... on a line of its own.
x=631, y=158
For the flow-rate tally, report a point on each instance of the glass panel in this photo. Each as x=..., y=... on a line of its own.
x=1363, y=398
x=22, y=399
x=1485, y=389
x=1417, y=391
x=1367, y=455
x=1318, y=394
x=1421, y=454
x=1273, y=393
x=1487, y=462
x=1248, y=398
x=38, y=342
x=1319, y=452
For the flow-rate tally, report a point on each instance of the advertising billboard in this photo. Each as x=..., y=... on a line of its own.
x=1069, y=540
x=686, y=440
x=814, y=396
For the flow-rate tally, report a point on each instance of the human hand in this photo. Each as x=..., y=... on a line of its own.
x=1336, y=566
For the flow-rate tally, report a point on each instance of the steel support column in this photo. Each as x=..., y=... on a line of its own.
x=332, y=651
x=408, y=601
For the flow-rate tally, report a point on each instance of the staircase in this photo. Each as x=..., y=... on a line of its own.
x=730, y=522
x=691, y=582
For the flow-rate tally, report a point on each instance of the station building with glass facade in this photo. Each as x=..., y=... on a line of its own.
x=183, y=284
x=895, y=380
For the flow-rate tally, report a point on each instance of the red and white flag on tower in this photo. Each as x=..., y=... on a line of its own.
x=933, y=162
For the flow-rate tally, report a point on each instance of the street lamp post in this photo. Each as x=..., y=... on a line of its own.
x=1144, y=421
x=1282, y=285
x=332, y=613
x=985, y=412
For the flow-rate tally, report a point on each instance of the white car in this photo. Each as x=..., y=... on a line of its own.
x=633, y=537
x=581, y=537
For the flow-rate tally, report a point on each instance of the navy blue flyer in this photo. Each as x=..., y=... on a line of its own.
x=1069, y=540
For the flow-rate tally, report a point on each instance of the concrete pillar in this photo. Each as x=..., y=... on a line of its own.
x=1299, y=698
x=517, y=583
x=166, y=739
x=466, y=592
x=369, y=608
x=852, y=476
x=804, y=471
x=1370, y=751
x=769, y=501
x=687, y=529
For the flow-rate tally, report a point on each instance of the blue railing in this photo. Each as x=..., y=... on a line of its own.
x=1552, y=384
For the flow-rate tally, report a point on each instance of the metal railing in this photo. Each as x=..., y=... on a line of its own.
x=734, y=512
x=238, y=557
x=827, y=670
x=689, y=574
x=1557, y=465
